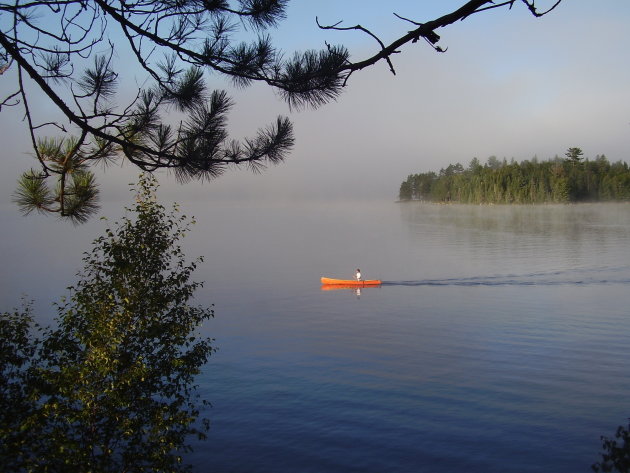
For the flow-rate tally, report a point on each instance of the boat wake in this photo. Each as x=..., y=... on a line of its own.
x=578, y=277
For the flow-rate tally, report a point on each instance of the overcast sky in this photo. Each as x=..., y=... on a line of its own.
x=510, y=85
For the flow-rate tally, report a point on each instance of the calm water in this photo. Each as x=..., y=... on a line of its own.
x=498, y=342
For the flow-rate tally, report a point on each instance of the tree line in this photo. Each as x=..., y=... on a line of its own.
x=558, y=180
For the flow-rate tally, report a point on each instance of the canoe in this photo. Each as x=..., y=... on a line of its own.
x=352, y=287
x=351, y=282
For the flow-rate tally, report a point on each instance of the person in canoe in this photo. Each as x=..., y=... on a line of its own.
x=358, y=275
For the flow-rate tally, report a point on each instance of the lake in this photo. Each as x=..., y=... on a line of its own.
x=499, y=340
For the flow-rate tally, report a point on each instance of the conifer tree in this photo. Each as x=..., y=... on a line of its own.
x=66, y=52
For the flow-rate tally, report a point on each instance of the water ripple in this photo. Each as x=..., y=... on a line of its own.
x=588, y=276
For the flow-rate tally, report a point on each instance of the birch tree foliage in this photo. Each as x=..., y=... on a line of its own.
x=112, y=386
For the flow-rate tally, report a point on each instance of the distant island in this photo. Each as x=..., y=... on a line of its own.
x=558, y=180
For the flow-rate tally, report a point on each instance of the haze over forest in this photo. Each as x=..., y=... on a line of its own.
x=558, y=180
x=501, y=329
x=509, y=85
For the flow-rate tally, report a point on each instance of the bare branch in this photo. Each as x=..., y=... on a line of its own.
x=359, y=28
x=7, y=102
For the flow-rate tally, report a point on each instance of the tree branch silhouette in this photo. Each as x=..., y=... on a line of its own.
x=67, y=51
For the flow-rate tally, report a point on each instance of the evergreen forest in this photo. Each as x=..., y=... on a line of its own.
x=558, y=180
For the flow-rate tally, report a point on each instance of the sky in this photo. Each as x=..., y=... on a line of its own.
x=510, y=85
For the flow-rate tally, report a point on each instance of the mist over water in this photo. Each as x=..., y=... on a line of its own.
x=498, y=340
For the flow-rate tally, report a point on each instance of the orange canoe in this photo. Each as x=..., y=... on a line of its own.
x=352, y=287
x=350, y=282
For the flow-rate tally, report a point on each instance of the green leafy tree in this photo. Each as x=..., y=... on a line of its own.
x=18, y=347
x=475, y=166
x=574, y=155
x=405, y=192
x=111, y=388
x=493, y=163
x=616, y=456
x=66, y=52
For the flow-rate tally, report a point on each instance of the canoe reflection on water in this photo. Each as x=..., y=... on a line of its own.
x=334, y=287
x=350, y=282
